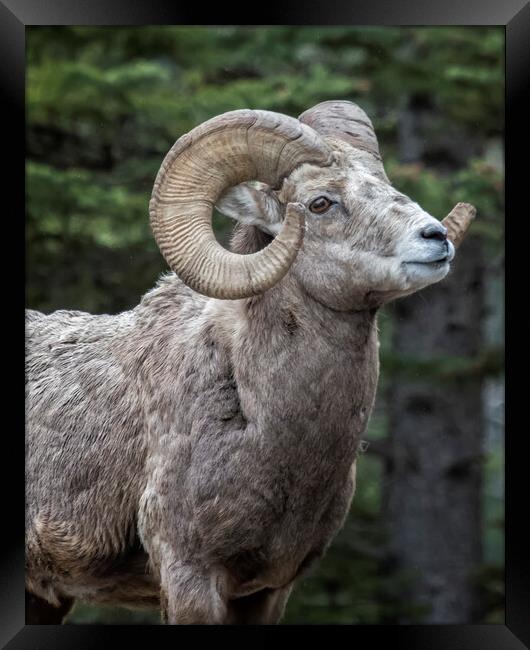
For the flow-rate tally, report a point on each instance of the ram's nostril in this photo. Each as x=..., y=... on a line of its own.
x=434, y=231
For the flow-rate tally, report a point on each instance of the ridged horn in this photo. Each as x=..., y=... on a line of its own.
x=458, y=221
x=343, y=120
x=229, y=149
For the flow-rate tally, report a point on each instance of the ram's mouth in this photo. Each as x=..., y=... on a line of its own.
x=433, y=263
x=437, y=258
x=427, y=270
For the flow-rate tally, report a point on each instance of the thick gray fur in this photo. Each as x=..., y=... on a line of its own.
x=200, y=454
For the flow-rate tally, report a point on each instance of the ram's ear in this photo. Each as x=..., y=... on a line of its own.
x=254, y=204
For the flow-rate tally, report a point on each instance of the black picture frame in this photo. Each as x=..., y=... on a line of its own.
x=15, y=16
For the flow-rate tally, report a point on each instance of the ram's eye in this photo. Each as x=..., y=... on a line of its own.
x=320, y=205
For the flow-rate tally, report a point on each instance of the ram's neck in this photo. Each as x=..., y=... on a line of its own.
x=302, y=369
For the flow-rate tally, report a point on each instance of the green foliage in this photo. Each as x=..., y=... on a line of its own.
x=105, y=104
x=445, y=368
x=83, y=614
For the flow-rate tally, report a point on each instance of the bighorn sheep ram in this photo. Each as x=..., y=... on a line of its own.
x=198, y=452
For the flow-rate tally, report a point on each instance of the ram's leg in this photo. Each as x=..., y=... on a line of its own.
x=192, y=596
x=265, y=607
x=40, y=612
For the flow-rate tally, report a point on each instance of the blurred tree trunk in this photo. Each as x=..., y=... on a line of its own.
x=432, y=498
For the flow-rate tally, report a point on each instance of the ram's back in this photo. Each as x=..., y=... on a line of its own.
x=76, y=363
x=84, y=443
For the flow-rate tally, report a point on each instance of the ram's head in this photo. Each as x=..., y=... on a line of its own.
x=317, y=187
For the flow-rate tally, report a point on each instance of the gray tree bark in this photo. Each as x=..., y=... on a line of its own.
x=432, y=494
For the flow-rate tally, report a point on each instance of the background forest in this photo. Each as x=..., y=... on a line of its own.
x=424, y=540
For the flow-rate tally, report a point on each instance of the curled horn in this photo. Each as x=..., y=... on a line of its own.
x=231, y=148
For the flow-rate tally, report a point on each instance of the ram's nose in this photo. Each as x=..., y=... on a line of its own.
x=434, y=231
